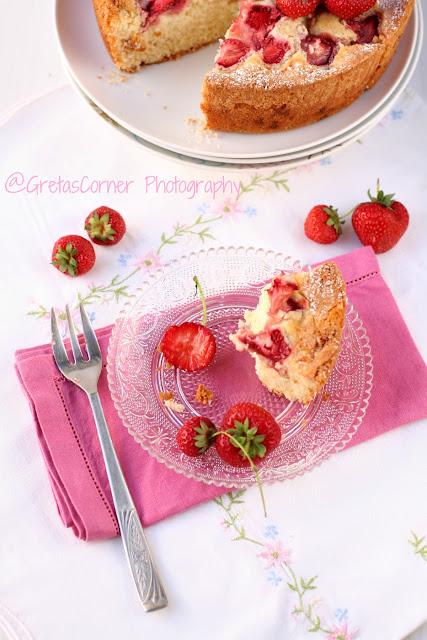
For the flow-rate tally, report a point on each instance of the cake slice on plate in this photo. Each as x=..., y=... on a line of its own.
x=294, y=334
x=138, y=32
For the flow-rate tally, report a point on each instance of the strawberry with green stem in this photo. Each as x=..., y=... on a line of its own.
x=381, y=222
x=73, y=255
x=105, y=226
x=324, y=224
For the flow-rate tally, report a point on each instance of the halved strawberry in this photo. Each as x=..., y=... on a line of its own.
x=365, y=29
x=320, y=50
x=189, y=346
x=231, y=52
x=297, y=8
x=274, y=50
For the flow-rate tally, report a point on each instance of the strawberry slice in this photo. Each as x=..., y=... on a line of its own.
x=189, y=346
x=231, y=52
x=320, y=50
x=273, y=50
x=365, y=29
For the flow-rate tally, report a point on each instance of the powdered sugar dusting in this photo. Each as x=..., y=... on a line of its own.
x=296, y=70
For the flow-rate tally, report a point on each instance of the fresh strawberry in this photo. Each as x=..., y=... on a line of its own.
x=320, y=50
x=381, y=222
x=73, y=255
x=297, y=8
x=347, y=9
x=323, y=224
x=253, y=428
x=365, y=29
x=273, y=50
x=189, y=346
x=231, y=52
x=195, y=436
x=105, y=226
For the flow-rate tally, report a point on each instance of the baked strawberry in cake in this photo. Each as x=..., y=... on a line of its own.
x=294, y=334
x=287, y=63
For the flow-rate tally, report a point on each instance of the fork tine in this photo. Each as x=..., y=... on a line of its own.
x=58, y=348
x=92, y=345
x=75, y=346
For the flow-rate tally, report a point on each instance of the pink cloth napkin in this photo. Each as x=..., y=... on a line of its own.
x=70, y=447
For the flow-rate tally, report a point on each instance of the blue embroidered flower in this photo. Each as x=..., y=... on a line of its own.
x=271, y=531
x=274, y=578
x=204, y=207
x=250, y=212
x=396, y=114
x=324, y=162
x=341, y=615
x=92, y=316
x=123, y=259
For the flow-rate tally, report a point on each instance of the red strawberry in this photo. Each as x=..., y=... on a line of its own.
x=195, y=436
x=323, y=224
x=346, y=9
x=231, y=52
x=73, y=255
x=273, y=50
x=189, y=346
x=320, y=50
x=365, y=29
x=260, y=16
x=297, y=8
x=105, y=226
x=254, y=428
x=381, y=222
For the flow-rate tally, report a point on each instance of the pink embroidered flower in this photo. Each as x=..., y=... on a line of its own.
x=274, y=554
x=228, y=208
x=149, y=261
x=341, y=632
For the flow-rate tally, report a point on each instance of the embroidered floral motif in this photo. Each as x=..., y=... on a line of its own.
x=277, y=558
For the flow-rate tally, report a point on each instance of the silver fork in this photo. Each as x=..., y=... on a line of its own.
x=85, y=374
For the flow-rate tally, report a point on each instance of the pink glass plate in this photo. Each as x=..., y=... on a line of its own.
x=232, y=279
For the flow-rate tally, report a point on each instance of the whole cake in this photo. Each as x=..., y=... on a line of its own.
x=294, y=334
x=275, y=69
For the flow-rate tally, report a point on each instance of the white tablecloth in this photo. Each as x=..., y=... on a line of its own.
x=349, y=522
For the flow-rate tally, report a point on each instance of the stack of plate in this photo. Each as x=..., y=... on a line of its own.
x=158, y=106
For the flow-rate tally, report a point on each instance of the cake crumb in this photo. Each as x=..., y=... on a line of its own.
x=199, y=129
x=326, y=396
x=165, y=106
x=165, y=395
x=204, y=395
x=147, y=93
x=174, y=406
x=114, y=77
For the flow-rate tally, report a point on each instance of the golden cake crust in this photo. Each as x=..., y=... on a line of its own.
x=313, y=334
x=254, y=98
x=132, y=44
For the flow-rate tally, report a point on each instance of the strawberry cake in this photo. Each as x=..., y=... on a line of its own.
x=281, y=64
x=294, y=333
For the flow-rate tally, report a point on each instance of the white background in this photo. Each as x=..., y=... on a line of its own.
x=30, y=66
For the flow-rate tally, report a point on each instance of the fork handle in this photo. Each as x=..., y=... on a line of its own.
x=144, y=573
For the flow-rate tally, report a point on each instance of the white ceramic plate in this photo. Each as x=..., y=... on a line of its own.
x=288, y=160
x=139, y=103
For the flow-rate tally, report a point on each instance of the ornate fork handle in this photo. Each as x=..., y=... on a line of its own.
x=146, y=579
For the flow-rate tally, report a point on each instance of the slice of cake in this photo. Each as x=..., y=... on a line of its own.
x=294, y=334
x=273, y=72
x=138, y=32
